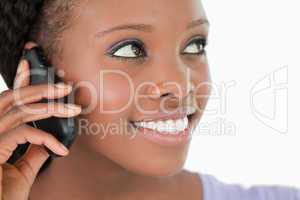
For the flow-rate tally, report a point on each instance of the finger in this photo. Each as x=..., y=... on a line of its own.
x=30, y=94
x=33, y=112
x=31, y=162
x=22, y=77
x=24, y=69
x=22, y=134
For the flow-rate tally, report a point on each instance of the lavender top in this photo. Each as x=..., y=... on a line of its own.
x=214, y=189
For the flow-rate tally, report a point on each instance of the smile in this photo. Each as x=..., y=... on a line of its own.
x=166, y=126
x=169, y=132
x=164, y=123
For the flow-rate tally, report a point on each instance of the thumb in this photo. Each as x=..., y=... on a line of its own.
x=31, y=162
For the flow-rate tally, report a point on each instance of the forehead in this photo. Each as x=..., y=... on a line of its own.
x=156, y=12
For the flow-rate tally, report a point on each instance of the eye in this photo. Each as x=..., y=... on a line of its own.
x=196, y=46
x=130, y=49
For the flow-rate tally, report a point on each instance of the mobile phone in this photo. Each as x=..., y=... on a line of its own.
x=64, y=129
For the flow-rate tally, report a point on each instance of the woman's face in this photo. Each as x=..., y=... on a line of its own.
x=150, y=73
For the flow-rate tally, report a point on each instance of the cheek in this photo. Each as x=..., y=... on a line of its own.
x=115, y=92
x=106, y=120
x=109, y=94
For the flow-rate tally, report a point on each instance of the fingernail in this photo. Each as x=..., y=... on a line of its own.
x=73, y=107
x=19, y=70
x=64, y=149
x=62, y=85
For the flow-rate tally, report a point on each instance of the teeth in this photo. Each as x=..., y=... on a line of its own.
x=186, y=121
x=169, y=126
x=152, y=125
x=161, y=126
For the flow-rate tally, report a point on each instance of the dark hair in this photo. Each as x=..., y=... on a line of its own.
x=41, y=21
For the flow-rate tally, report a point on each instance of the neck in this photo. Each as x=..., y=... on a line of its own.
x=83, y=168
x=86, y=174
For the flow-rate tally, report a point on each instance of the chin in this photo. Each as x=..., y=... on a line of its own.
x=158, y=166
x=165, y=171
x=159, y=170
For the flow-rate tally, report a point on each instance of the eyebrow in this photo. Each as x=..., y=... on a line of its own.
x=148, y=28
x=198, y=22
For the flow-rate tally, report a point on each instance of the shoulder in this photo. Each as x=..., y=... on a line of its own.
x=214, y=189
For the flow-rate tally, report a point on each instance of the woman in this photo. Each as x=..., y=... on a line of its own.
x=126, y=57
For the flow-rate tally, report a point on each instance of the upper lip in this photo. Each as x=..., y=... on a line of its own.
x=164, y=116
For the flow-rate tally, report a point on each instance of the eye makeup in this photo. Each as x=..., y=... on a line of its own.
x=137, y=46
x=201, y=43
x=134, y=49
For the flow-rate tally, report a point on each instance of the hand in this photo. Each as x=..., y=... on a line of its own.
x=17, y=179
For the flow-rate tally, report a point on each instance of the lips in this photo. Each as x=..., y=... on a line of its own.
x=166, y=138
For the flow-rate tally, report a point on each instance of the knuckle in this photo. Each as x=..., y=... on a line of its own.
x=40, y=135
x=5, y=94
x=5, y=152
x=17, y=113
x=15, y=100
x=15, y=110
x=25, y=162
x=48, y=137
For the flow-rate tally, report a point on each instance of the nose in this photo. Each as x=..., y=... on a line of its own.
x=171, y=89
x=172, y=83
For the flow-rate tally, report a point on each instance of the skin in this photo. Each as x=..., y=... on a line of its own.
x=116, y=166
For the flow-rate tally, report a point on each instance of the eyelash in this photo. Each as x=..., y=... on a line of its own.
x=140, y=45
x=120, y=45
x=199, y=41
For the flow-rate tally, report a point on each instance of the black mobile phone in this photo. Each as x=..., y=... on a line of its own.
x=64, y=129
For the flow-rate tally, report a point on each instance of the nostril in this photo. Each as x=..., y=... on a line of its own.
x=166, y=94
x=190, y=117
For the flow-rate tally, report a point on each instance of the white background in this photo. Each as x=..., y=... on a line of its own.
x=252, y=41
x=249, y=41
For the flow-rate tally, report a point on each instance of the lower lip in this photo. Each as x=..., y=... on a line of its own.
x=165, y=138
